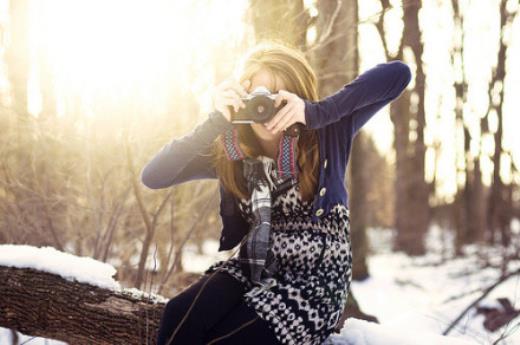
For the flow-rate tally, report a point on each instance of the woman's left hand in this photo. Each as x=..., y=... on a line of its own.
x=292, y=112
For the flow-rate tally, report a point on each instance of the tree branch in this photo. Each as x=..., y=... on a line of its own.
x=484, y=294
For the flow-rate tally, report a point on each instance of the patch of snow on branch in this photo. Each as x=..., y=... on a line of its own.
x=71, y=267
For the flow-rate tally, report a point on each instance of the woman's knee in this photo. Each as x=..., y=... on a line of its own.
x=242, y=326
x=175, y=306
x=196, y=314
x=177, y=317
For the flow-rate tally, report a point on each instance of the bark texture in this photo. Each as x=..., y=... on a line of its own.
x=46, y=305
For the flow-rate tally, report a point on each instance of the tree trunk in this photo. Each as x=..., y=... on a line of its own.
x=469, y=203
x=336, y=59
x=412, y=209
x=498, y=210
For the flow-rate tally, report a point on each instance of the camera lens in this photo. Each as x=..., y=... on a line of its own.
x=261, y=108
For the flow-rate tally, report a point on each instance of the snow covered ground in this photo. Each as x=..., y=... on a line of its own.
x=410, y=297
x=413, y=298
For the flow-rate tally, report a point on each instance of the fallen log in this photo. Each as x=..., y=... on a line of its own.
x=52, y=294
x=47, y=305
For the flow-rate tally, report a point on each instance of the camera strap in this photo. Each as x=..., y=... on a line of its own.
x=285, y=162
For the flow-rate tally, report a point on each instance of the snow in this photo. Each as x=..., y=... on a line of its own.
x=194, y=262
x=361, y=332
x=5, y=338
x=414, y=299
x=71, y=267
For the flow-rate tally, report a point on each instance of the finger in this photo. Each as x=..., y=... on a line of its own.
x=278, y=117
x=228, y=93
x=232, y=102
x=224, y=84
x=287, y=120
x=246, y=84
x=239, y=89
x=231, y=93
x=282, y=95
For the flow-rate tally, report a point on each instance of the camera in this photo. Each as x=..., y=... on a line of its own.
x=259, y=108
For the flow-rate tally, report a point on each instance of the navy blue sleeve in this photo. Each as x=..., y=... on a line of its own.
x=360, y=99
x=186, y=158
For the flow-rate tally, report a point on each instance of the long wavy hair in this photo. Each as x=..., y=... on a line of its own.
x=291, y=66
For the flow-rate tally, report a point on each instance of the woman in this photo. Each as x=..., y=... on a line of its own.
x=290, y=280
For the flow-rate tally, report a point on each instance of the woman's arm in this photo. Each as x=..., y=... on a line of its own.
x=186, y=158
x=361, y=98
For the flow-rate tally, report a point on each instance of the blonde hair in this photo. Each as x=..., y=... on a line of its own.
x=290, y=65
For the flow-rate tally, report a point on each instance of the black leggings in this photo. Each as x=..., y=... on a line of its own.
x=218, y=316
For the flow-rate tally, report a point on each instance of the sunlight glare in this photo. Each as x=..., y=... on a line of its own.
x=114, y=48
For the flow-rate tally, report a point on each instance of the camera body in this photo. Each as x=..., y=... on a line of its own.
x=259, y=108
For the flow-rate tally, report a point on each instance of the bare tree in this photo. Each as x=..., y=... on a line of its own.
x=499, y=203
x=411, y=189
x=469, y=202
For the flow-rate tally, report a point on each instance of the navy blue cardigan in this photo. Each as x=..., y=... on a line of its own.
x=336, y=118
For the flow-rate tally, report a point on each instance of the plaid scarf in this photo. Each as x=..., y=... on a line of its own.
x=254, y=256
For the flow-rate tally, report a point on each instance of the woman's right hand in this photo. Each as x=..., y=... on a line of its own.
x=228, y=94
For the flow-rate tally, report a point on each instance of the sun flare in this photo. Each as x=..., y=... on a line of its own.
x=130, y=48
